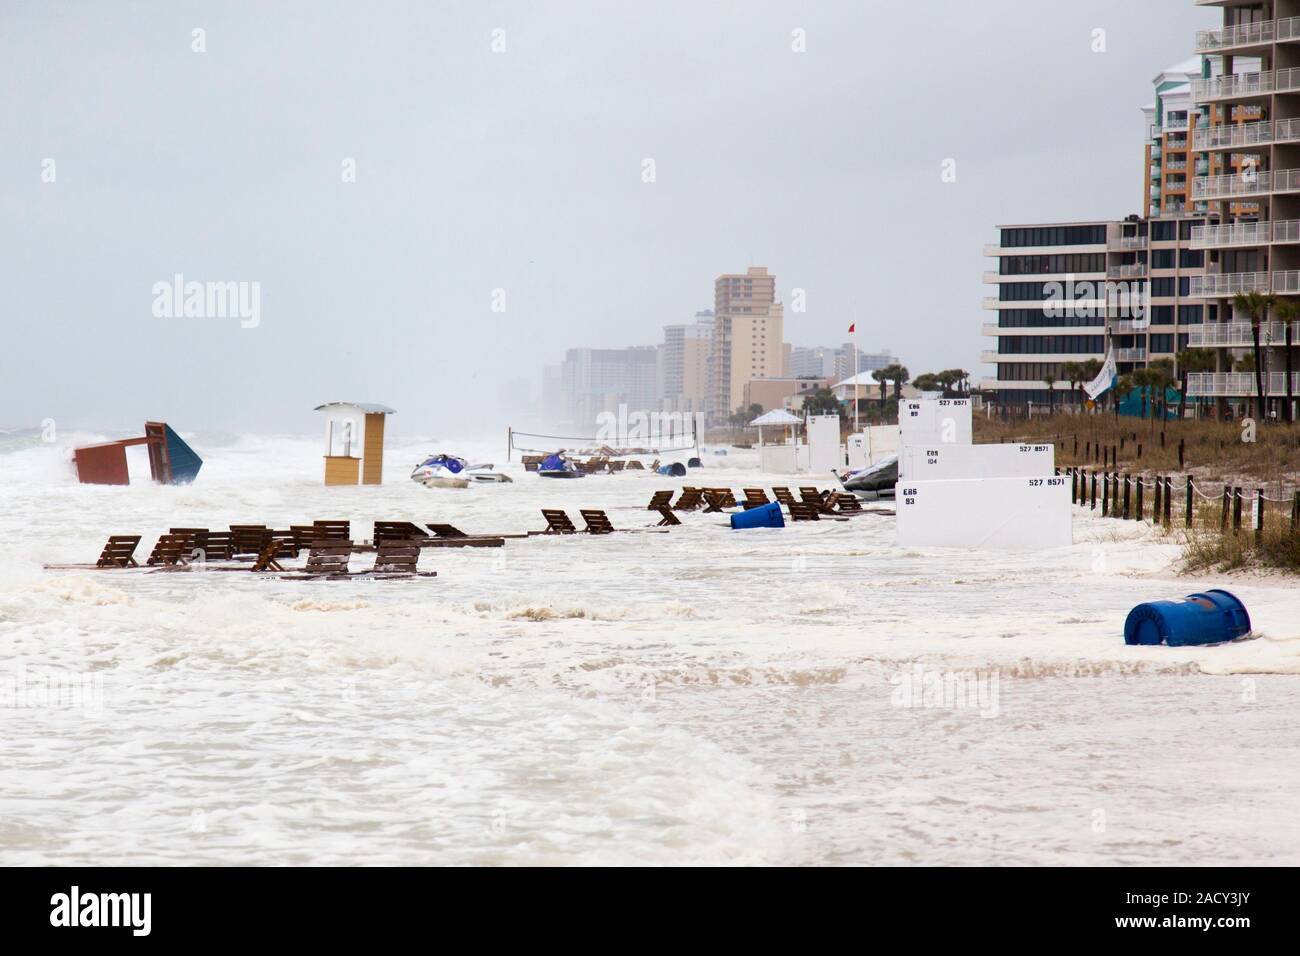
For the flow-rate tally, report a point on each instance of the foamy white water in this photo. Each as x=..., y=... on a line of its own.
x=702, y=696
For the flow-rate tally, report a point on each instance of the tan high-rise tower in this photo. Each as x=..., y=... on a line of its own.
x=748, y=332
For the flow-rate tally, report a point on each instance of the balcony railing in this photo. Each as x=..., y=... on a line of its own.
x=1288, y=28
x=1234, y=234
x=1233, y=135
x=1131, y=355
x=1236, y=85
x=1238, y=384
x=1286, y=230
x=1126, y=242
x=1130, y=325
x=1286, y=283
x=1175, y=165
x=1131, y=271
x=1238, y=334
x=1249, y=182
x=1226, y=284
x=1245, y=34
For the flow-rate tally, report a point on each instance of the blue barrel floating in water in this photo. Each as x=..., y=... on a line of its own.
x=676, y=468
x=694, y=463
x=1209, y=618
x=764, y=516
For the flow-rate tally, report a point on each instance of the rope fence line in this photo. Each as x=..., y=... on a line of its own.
x=1131, y=505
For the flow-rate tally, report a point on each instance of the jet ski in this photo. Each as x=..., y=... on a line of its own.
x=448, y=471
x=874, y=481
x=557, y=466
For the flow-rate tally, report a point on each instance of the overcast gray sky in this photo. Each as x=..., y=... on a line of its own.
x=522, y=170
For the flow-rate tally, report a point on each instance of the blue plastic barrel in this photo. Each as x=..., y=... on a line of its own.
x=676, y=468
x=694, y=463
x=764, y=516
x=1209, y=618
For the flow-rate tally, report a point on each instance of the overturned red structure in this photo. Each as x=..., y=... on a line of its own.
x=171, y=461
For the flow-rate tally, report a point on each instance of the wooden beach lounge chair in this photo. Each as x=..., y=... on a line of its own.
x=557, y=522
x=597, y=521
x=397, y=531
x=214, y=545
x=266, y=560
x=726, y=494
x=119, y=552
x=617, y=465
x=335, y=530
x=691, y=498
x=446, y=531
x=715, y=500
x=668, y=519
x=449, y=536
x=634, y=464
x=755, y=498
x=846, y=503
x=532, y=462
x=784, y=496
x=804, y=511
x=660, y=499
x=328, y=556
x=170, y=551
x=399, y=559
x=248, y=538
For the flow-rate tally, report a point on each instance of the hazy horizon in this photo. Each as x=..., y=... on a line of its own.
x=522, y=169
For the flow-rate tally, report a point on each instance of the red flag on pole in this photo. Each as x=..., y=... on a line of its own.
x=853, y=327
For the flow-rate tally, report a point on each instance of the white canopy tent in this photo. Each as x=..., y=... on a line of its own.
x=776, y=417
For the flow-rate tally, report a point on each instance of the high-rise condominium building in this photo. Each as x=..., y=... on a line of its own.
x=835, y=363
x=1173, y=159
x=686, y=353
x=593, y=381
x=1065, y=291
x=748, y=330
x=1249, y=105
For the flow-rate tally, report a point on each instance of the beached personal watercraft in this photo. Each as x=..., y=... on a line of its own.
x=557, y=466
x=448, y=471
x=874, y=481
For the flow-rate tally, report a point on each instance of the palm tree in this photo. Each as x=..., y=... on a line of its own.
x=1123, y=385
x=1073, y=372
x=1088, y=370
x=1255, y=305
x=1050, y=380
x=1190, y=360
x=899, y=375
x=1288, y=311
x=881, y=376
x=1162, y=376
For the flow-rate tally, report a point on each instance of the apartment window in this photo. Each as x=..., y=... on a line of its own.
x=1162, y=287
x=1162, y=343
x=1053, y=236
x=1163, y=230
x=1032, y=265
x=1191, y=258
x=1162, y=258
x=1162, y=315
x=1190, y=314
x=1185, y=228
x=1049, y=344
x=1038, y=319
x=1185, y=285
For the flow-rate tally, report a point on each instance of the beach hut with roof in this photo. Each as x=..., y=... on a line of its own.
x=354, y=442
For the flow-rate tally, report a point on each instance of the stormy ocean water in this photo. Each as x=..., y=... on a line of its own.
x=797, y=696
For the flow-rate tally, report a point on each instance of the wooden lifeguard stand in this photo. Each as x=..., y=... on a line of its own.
x=352, y=427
